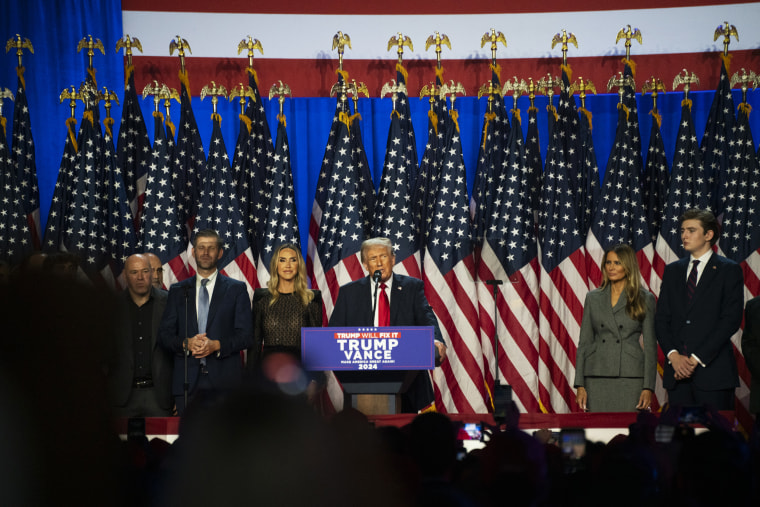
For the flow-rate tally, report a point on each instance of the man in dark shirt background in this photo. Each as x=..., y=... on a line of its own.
x=140, y=371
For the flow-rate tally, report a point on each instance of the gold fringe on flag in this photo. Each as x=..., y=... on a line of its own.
x=585, y=112
x=433, y=120
x=497, y=70
x=170, y=126
x=490, y=397
x=429, y=408
x=439, y=73
x=516, y=114
x=128, y=71
x=216, y=117
x=657, y=117
x=745, y=108
x=396, y=113
x=183, y=79
x=489, y=117
x=568, y=71
x=400, y=68
x=355, y=116
x=3, y=122
x=727, y=62
x=71, y=127
x=553, y=110
x=686, y=102
x=533, y=108
x=455, y=116
x=624, y=108
x=20, y=74
x=87, y=115
x=158, y=114
x=631, y=64
x=343, y=74
x=246, y=121
x=280, y=118
x=343, y=118
x=108, y=122
x=252, y=72
x=91, y=72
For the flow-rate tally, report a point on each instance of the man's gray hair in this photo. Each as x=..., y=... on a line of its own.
x=369, y=243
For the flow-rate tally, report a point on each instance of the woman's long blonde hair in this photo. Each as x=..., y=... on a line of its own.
x=636, y=306
x=301, y=289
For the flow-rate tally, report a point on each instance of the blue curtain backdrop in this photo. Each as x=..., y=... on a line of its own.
x=56, y=27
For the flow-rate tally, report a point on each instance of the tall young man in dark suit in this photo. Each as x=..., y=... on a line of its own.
x=699, y=309
x=406, y=306
x=207, y=317
x=139, y=370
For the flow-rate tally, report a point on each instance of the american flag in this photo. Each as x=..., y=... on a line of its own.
x=563, y=279
x=336, y=230
x=740, y=237
x=84, y=232
x=656, y=180
x=281, y=223
x=15, y=240
x=366, y=187
x=120, y=236
x=253, y=164
x=449, y=276
x=586, y=187
x=189, y=161
x=56, y=222
x=509, y=253
x=688, y=189
x=405, y=118
x=162, y=232
x=133, y=147
x=24, y=161
x=718, y=139
x=533, y=161
x=620, y=216
x=426, y=186
x=493, y=141
x=394, y=207
x=219, y=209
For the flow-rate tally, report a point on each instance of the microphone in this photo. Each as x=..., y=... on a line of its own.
x=375, y=278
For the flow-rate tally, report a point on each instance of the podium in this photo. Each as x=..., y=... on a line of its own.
x=375, y=365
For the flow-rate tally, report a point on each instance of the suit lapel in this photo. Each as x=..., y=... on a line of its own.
x=397, y=298
x=220, y=288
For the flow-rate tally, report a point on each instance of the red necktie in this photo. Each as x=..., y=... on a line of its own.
x=383, y=308
x=691, y=283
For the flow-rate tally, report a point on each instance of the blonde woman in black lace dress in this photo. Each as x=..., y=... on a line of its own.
x=280, y=311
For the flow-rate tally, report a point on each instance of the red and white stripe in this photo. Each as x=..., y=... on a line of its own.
x=297, y=39
x=517, y=328
x=459, y=382
x=563, y=292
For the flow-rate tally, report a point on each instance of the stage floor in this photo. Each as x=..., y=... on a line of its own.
x=600, y=427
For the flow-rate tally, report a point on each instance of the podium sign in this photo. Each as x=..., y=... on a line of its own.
x=368, y=348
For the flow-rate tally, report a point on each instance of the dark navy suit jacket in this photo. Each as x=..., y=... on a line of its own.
x=229, y=321
x=409, y=307
x=704, y=326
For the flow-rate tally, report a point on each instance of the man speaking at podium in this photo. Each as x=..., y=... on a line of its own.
x=400, y=302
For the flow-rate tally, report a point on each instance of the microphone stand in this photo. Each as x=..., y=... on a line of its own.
x=502, y=394
x=376, y=278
